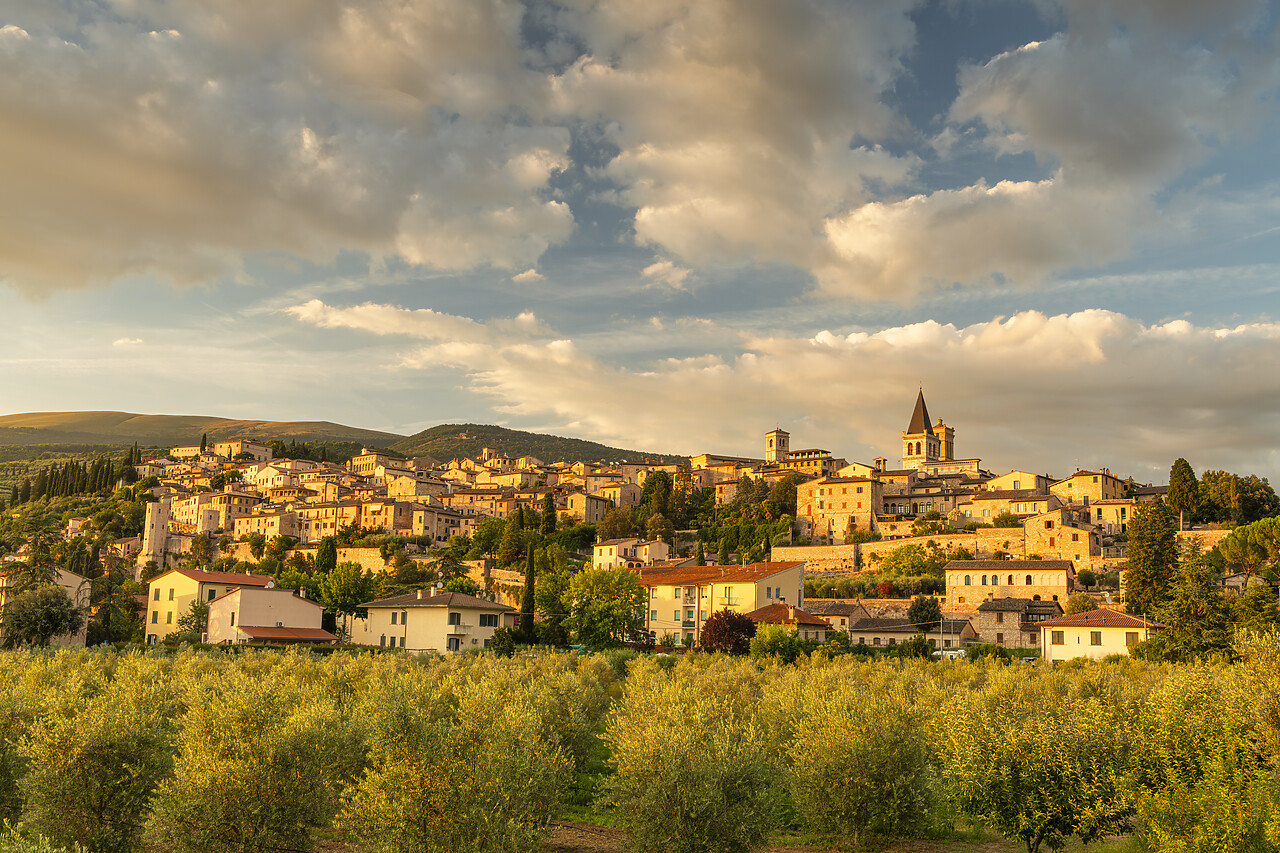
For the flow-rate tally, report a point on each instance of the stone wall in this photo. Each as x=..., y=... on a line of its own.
x=819, y=559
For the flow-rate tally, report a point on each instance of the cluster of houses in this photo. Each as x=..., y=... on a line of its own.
x=1010, y=595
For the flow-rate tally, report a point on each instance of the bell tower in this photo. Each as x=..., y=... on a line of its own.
x=777, y=445
x=919, y=441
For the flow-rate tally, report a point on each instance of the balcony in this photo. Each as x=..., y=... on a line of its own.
x=460, y=629
x=688, y=623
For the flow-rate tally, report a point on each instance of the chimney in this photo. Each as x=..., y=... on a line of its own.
x=791, y=613
x=420, y=593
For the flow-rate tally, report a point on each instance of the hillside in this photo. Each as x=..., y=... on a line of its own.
x=453, y=441
x=118, y=429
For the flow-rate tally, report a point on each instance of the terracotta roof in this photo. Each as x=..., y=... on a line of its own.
x=712, y=574
x=1101, y=619
x=259, y=632
x=837, y=607
x=440, y=599
x=1008, y=565
x=920, y=418
x=783, y=614
x=237, y=578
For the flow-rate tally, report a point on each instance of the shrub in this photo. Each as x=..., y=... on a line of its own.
x=93, y=772
x=728, y=632
x=693, y=772
x=860, y=766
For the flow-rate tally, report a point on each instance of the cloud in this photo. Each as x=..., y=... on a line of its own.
x=172, y=139
x=1094, y=387
x=127, y=342
x=665, y=272
x=527, y=276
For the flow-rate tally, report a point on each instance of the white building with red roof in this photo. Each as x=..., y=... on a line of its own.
x=170, y=595
x=1094, y=634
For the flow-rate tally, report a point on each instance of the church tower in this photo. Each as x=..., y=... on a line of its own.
x=777, y=445
x=919, y=441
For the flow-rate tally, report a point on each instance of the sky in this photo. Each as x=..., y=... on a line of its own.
x=664, y=225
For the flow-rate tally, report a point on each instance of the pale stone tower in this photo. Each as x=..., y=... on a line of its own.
x=919, y=442
x=777, y=445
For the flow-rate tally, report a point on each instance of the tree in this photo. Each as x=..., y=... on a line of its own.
x=1006, y=519
x=1196, y=617
x=36, y=616
x=925, y=613
x=1087, y=578
x=616, y=524
x=1255, y=610
x=693, y=769
x=512, y=546
x=528, y=601
x=1080, y=602
x=861, y=765
x=347, y=587
x=700, y=559
x=193, y=624
x=605, y=605
x=728, y=632
x=204, y=442
x=548, y=521
x=1184, y=491
x=909, y=561
x=1152, y=555
x=92, y=773
x=326, y=555
x=466, y=586
x=658, y=528
x=776, y=641
x=1037, y=770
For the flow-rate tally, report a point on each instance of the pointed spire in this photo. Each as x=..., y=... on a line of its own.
x=920, y=422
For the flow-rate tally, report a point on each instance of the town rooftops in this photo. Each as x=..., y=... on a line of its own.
x=785, y=614
x=1101, y=619
x=1009, y=495
x=1019, y=605
x=949, y=626
x=750, y=573
x=437, y=598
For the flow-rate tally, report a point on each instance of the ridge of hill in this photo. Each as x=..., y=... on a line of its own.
x=453, y=441
x=118, y=429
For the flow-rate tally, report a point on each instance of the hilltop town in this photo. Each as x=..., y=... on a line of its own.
x=231, y=528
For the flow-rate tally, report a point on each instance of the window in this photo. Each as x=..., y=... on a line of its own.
x=171, y=594
x=1000, y=617
x=1051, y=541
x=382, y=641
x=1055, y=637
x=1048, y=524
x=393, y=617
x=702, y=614
x=155, y=617
x=1000, y=639
x=404, y=617
x=1010, y=580
x=157, y=598
x=876, y=641
x=676, y=615
x=653, y=616
x=768, y=592
x=168, y=618
x=984, y=580
x=967, y=579
x=1075, y=537
x=213, y=593
x=1095, y=638
x=455, y=618
x=1028, y=580
x=688, y=614
x=1131, y=638
x=488, y=620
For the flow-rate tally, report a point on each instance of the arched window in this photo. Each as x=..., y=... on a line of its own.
x=1028, y=580
x=967, y=580
x=984, y=580
x=1035, y=598
x=1010, y=580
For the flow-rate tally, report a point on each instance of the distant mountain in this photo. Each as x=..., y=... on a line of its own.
x=455, y=441
x=117, y=429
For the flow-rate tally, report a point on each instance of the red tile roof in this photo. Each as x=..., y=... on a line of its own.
x=783, y=614
x=1100, y=619
x=261, y=632
x=236, y=578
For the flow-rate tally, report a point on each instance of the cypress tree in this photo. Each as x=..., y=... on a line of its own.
x=1151, y=558
x=512, y=541
x=527, y=603
x=701, y=559
x=25, y=495
x=41, y=485
x=326, y=555
x=1184, y=491
x=548, y=525
x=13, y=496
x=204, y=442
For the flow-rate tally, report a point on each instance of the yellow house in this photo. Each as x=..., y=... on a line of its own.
x=806, y=625
x=250, y=614
x=680, y=599
x=170, y=595
x=431, y=620
x=1095, y=634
